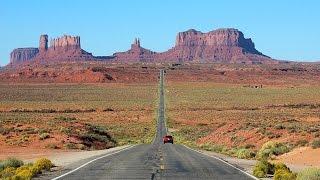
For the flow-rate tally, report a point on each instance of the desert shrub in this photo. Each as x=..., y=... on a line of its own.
x=44, y=136
x=302, y=142
x=271, y=148
x=7, y=172
x=25, y=172
x=66, y=130
x=43, y=164
x=62, y=118
x=279, y=126
x=309, y=174
x=108, y=109
x=282, y=172
x=245, y=153
x=262, y=168
x=70, y=146
x=52, y=146
x=315, y=143
x=249, y=146
x=11, y=162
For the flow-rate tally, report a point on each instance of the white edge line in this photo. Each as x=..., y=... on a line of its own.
x=83, y=165
x=248, y=174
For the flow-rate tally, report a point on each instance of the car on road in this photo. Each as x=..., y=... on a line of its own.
x=167, y=139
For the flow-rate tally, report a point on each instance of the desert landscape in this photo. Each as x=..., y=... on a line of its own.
x=232, y=110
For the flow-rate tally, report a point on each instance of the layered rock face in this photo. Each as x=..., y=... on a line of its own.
x=62, y=49
x=65, y=48
x=43, y=43
x=23, y=54
x=222, y=45
x=65, y=43
x=136, y=53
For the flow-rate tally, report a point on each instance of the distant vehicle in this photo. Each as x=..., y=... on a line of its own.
x=167, y=139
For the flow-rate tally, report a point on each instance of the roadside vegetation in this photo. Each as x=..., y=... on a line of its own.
x=15, y=169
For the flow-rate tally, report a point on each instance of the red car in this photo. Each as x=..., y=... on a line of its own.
x=167, y=139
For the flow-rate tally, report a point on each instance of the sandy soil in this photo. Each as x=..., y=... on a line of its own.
x=58, y=157
x=301, y=158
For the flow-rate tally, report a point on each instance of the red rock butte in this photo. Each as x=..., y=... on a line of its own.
x=221, y=45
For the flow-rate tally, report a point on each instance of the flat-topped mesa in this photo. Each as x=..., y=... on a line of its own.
x=22, y=55
x=65, y=42
x=221, y=45
x=136, y=53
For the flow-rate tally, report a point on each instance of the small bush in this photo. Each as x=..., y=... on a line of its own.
x=302, y=142
x=11, y=162
x=7, y=172
x=282, y=172
x=271, y=148
x=70, y=146
x=245, y=154
x=52, y=146
x=262, y=168
x=25, y=172
x=315, y=143
x=43, y=164
x=44, y=136
x=309, y=174
x=62, y=118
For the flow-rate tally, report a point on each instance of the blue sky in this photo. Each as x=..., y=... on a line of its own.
x=282, y=29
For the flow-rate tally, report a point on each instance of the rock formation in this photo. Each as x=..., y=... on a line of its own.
x=221, y=45
x=65, y=48
x=136, y=53
x=43, y=43
x=65, y=42
x=23, y=54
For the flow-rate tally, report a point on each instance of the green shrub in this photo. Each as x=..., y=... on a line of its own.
x=271, y=148
x=282, y=172
x=43, y=164
x=309, y=174
x=43, y=136
x=315, y=143
x=245, y=153
x=262, y=168
x=10, y=162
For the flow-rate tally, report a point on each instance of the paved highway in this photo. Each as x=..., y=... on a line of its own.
x=156, y=160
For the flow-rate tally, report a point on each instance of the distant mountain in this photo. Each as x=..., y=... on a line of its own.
x=221, y=45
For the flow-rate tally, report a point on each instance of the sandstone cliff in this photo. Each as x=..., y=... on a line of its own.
x=23, y=54
x=222, y=45
x=65, y=48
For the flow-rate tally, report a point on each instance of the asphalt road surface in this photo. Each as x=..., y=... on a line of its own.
x=156, y=160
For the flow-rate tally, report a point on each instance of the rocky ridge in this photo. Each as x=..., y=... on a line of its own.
x=222, y=45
